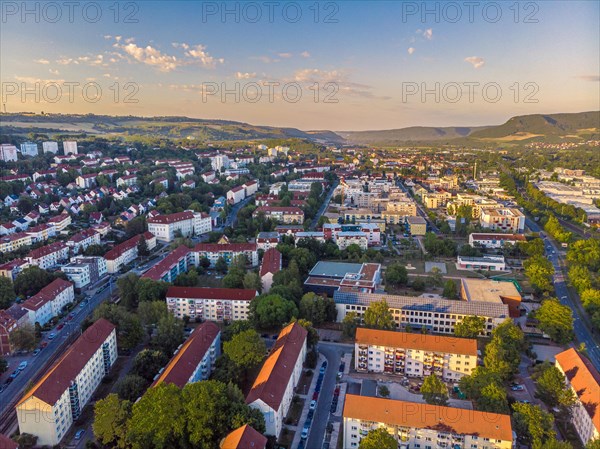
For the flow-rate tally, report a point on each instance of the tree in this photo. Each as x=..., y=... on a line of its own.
x=493, y=399
x=150, y=312
x=127, y=286
x=313, y=336
x=503, y=352
x=142, y=247
x=151, y=290
x=131, y=387
x=252, y=281
x=384, y=391
x=556, y=320
x=533, y=424
x=23, y=338
x=434, y=390
x=169, y=334
x=378, y=439
x=349, y=324
x=470, y=326
x=378, y=316
x=235, y=328
x=31, y=280
x=246, y=349
x=147, y=363
x=396, y=274
x=7, y=293
x=130, y=332
x=136, y=226
x=552, y=388
x=221, y=265
x=539, y=270
x=26, y=441
x=110, y=421
x=94, y=250
x=227, y=371
x=3, y=365
x=595, y=444
x=450, y=290
x=270, y=311
x=317, y=309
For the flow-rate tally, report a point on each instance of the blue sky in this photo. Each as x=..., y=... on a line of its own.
x=369, y=57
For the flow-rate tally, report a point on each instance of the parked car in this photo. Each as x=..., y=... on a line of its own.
x=60, y=326
x=36, y=352
x=43, y=345
x=22, y=365
x=79, y=434
x=304, y=433
x=313, y=405
x=51, y=336
x=517, y=388
x=14, y=374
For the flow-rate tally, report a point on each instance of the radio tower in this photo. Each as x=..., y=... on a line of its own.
x=475, y=171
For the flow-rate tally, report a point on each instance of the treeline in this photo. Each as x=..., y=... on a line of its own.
x=583, y=257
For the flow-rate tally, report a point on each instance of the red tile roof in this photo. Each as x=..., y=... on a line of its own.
x=584, y=379
x=271, y=262
x=224, y=247
x=45, y=250
x=51, y=387
x=171, y=218
x=234, y=294
x=287, y=210
x=158, y=271
x=275, y=374
x=244, y=437
x=116, y=252
x=7, y=443
x=47, y=294
x=183, y=364
x=83, y=235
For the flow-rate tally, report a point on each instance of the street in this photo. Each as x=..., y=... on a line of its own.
x=583, y=333
x=324, y=206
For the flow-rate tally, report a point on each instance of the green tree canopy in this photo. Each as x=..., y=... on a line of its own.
x=271, y=311
x=434, y=390
x=110, y=421
x=379, y=316
x=556, y=320
x=378, y=439
x=552, y=388
x=533, y=424
x=396, y=274
x=7, y=293
x=470, y=327
x=246, y=349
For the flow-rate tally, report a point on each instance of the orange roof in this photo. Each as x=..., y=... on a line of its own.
x=585, y=379
x=425, y=416
x=275, y=374
x=244, y=437
x=423, y=342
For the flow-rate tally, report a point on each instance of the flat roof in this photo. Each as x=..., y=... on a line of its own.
x=488, y=290
x=334, y=269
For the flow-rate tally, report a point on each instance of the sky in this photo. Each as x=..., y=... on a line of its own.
x=346, y=65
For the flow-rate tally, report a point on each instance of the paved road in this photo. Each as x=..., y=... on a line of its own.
x=232, y=216
x=420, y=209
x=324, y=206
x=333, y=353
x=583, y=332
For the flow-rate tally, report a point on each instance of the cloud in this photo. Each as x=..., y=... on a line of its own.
x=42, y=61
x=428, y=34
x=592, y=78
x=411, y=50
x=245, y=76
x=284, y=55
x=32, y=80
x=199, y=53
x=305, y=54
x=54, y=72
x=150, y=56
x=476, y=61
x=337, y=77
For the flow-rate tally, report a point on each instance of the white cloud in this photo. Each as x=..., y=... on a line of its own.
x=199, y=53
x=337, y=77
x=476, y=61
x=151, y=56
x=428, y=34
x=305, y=54
x=284, y=55
x=54, y=72
x=411, y=50
x=42, y=61
x=245, y=76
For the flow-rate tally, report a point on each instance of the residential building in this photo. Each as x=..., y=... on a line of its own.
x=7, y=325
x=236, y=195
x=495, y=241
x=273, y=388
x=503, y=219
x=329, y=277
x=485, y=263
x=417, y=425
x=12, y=268
x=48, y=256
x=435, y=315
x=8, y=153
x=584, y=380
x=60, y=222
x=12, y=242
x=266, y=240
x=219, y=161
x=50, y=147
x=205, y=303
x=364, y=234
x=195, y=359
x=126, y=252
x=414, y=355
x=177, y=262
x=127, y=180
x=41, y=233
x=244, y=437
x=417, y=225
x=29, y=149
x=69, y=147
x=487, y=290
x=81, y=240
x=164, y=227
x=50, y=407
x=49, y=301
x=86, y=181
x=226, y=250
x=251, y=187
x=83, y=271
x=271, y=264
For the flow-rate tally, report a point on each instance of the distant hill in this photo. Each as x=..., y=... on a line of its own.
x=170, y=127
x=552, y=127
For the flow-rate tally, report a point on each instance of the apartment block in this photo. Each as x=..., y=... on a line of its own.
x=215, y=304
x=503, y=219
x=86, y=181
x=12, y=242
x=195, y=359
x=236, y=195
x=49, y=301
x=41, y=233
x=50, y=407
x=60, y=222
x=495, y=241
x=285, y=215
x=273, y=388
x=226, y=250
x=50, y=147
x=188, y=223
x=83, y=271
x=435, y=315
x=414, y=355
x=584, y=380
x=48, y=256
x=416, y=425
x=7, y=325
x=417, y=225
x=488, y=290
x=70, y=147
x=8, y=153
x=80, y=241
x=12, y=269
x=29, y=149
x=126, y=252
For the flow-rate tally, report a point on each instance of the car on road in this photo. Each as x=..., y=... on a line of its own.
x=524, y=401
x=60, y=326
x=36, y=352
x=79, y=434
x=14, y=374
x=517, y=388
x=51, y=336
x=22, y=365
x=304, y=433
x=315, y=395
x=313, y=405
x=311, y=414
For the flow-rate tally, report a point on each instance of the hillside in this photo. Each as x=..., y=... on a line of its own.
x=411, y=134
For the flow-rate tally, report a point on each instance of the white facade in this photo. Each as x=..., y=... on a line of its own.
x=8, y=153
x=50, y=147
x=236, y=195
x=78, y=274
x=188, y=223
x=70, y=147
x=48, y=256
x=486, y=263
x=210, y=304
x=219, y=161
x=29, y=149
x=504, y=219
x=49, y=302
